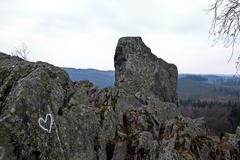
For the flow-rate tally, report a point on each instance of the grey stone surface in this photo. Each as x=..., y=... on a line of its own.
x=44, y=115
x=141, y=73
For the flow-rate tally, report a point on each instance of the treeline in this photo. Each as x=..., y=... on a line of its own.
x=199, y=103
x=220, y=117
x=227, y=90
x=195, y=77
x=234, y=81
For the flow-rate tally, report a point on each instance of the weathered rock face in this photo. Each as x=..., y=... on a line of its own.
x=44, y=115
x=142, y=74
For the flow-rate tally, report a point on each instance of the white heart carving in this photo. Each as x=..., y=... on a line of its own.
x=42, y=121
x=2, y=152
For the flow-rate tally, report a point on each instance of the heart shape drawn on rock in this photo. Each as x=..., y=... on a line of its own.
x=41, y=122
x=2, y=152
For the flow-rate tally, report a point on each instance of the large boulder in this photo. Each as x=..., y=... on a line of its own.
x=44, y=115
x=141, y=73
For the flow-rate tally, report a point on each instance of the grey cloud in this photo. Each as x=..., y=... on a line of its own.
x=55, y=20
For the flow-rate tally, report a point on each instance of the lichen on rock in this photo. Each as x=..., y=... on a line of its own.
x=136, y=119
x=141, y=73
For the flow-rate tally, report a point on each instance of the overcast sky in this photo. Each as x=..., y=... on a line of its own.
x=84, y=33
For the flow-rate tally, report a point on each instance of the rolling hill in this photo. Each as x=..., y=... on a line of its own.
x=98, y=77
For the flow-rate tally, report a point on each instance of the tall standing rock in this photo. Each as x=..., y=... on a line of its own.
x=142, y=74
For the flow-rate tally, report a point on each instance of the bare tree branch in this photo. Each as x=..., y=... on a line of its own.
x=21, y=52
x=226, y=24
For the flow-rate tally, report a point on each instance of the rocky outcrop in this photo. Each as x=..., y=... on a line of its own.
x=44, y=115
x=141, y=73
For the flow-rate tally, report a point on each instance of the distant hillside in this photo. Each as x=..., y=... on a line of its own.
x=208, y=87
x=99, y=78
x=189, y=85
x=215, y=97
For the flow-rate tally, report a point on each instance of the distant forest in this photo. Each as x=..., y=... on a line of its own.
x=211, y=96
